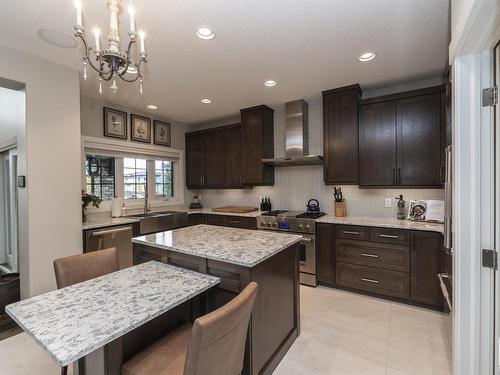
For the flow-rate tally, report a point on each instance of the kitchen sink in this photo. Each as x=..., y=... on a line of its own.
x=161, y=221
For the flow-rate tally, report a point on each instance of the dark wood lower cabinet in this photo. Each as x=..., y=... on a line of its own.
x=275, y=321
x=426, y=263
x=325, y=252
x=385, y=262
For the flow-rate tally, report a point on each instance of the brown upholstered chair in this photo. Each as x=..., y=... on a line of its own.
x=213, y=345
x=82, y=267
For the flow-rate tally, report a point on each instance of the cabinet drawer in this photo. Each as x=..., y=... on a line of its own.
x=215, y=220
x=352, y=232
x=386, y=256
x=373, y=280
x=388, y=235
x=240, y=222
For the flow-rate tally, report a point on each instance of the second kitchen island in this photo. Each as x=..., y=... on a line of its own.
x=237, y=257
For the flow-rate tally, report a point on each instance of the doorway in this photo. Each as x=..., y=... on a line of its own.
x=8, y=212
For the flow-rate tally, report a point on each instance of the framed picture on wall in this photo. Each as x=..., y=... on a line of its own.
x=162, y=135
x=141, y=128
x=115, y=123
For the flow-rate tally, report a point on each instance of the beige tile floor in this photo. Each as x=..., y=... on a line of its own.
x=342, y=334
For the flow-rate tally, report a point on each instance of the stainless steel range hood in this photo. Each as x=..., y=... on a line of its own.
x=296, y=138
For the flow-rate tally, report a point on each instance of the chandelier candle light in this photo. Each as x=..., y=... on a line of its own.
x=111, y=63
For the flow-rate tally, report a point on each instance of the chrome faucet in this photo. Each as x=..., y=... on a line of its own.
x=147, y=207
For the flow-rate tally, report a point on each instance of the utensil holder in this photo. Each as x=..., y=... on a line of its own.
x=340, y=209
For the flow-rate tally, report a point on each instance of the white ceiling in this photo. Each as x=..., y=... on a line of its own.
x=306, y=45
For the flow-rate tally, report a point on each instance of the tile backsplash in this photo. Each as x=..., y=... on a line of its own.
x=294, y=186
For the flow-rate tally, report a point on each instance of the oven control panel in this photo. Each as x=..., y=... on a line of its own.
x=286, y=224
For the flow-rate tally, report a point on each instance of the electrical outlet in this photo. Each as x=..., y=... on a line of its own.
x=388, y=202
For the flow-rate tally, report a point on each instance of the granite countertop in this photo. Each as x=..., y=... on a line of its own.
x=209, y=211
x=108, y=222
x=383, y=222
x=72, y=322
x=236, y=246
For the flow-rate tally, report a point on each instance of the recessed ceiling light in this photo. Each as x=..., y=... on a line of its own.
x=57, y=38
x=206, y=101
x=205, y=33
x=270, y=83
x=367, y=56
x=152, y=106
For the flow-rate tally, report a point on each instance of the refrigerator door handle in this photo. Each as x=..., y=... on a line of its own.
x=447, y=198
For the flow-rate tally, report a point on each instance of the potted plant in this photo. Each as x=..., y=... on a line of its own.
x=89, y=199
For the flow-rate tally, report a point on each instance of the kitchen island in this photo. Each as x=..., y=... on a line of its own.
x=237, y=257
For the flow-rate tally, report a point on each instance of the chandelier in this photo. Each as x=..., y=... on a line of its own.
x=111, y=63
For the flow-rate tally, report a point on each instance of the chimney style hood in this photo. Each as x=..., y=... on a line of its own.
x=296, y=138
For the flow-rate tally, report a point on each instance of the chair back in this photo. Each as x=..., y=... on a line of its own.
x=82, y=267
x=217, y=345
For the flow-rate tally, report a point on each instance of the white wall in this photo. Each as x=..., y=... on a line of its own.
x=49, y=156
x=92, y=120
x=294, y=186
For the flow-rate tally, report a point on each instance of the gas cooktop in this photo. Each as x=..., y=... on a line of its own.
x=296, y=214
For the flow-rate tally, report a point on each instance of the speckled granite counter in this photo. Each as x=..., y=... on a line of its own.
x=108, y=222
x=236, y=246
x=72, y=322
x=383, y=222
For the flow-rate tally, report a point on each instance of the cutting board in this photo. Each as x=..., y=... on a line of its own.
x=235, y=209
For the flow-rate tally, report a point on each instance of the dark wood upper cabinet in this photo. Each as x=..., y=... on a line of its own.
x=257, y=143
x=213, y=158
x=195, y=160
x=340, y=135
x=232, y=157
x=401, y=139
x=426, y=263
x=419, y=140
x=377, y=144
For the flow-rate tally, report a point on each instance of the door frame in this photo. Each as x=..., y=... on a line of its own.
x=471, y=55
x=496, y=75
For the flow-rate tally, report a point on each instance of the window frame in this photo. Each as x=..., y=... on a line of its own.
x=122, y=149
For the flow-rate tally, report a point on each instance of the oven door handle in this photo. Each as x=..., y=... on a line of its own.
x=306, y=239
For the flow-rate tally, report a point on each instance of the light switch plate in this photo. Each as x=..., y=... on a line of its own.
x=388, y=202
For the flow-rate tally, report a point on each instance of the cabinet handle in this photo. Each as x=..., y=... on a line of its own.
x=369, y=280
x=350, y=232
x=369, y=255
x=443, y=170
x=394, y=176
x=399, y=176
x=234, y=221
x=389, y=236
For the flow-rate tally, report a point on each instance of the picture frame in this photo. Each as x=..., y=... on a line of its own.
x=162, y=133
x=140, y=128
x=115, y=123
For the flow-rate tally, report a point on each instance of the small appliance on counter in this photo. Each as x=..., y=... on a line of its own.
x=116, y=207
x=196, y=203
x=401, y=207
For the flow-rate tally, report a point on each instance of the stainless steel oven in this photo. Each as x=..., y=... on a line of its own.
x=296, y=222
x=308, y=260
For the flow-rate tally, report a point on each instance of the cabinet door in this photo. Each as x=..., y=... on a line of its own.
x=419, y=140
x=325, y=265
x=340, y=132
x=232, y=157
x=377, y=144
x=251, y=155
x=214, y=159
x=257, y=143
x=195, y=161
x=426, y=263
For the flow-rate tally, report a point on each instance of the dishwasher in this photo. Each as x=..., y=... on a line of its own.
x=119, y=237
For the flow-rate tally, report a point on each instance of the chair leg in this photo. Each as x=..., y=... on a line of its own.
x=64, y=370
